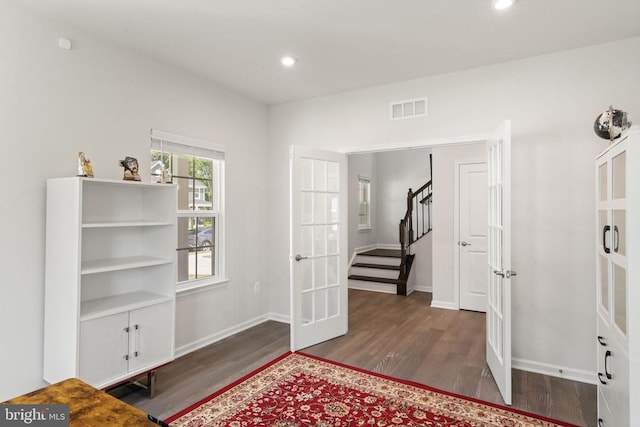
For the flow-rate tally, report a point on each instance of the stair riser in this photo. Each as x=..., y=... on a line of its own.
x=373, y=286
x=374, y=272
x=377, y=260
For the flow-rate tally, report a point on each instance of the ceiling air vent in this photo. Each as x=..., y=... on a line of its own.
x=409, y=108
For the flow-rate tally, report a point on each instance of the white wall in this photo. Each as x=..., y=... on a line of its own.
x=397, y=172
x=444, y=170
x=552, y=101
x=361, y=165
x=392, y=173
x=103, y=100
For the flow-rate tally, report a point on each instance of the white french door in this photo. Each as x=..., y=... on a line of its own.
x=318, y=246
x=499, y=259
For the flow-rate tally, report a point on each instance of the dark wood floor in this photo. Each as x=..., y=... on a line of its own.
x=398, y=336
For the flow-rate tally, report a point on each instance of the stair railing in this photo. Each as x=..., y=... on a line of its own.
x=418, y=213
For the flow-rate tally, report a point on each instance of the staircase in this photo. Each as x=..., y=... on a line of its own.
x=379, y=270
x=387, y=270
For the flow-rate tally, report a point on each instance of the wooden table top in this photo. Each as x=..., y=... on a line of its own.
x=88, y=406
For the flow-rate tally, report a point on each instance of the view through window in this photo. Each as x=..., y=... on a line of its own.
x=364, y=195
x=198, y=174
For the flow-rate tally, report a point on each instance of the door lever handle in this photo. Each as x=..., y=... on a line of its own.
x=508, y=274
x=300, y=257
x=463, y=243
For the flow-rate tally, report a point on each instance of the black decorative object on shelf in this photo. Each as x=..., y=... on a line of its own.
x=130, y=165
x=611, y=124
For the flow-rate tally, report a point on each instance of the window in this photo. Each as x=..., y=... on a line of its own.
x=197, y=167
x=364, y=196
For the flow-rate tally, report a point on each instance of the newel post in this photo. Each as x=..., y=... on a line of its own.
x=403, y=247
x=410, y=214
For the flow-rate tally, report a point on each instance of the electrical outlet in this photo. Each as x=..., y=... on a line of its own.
x=256, y=287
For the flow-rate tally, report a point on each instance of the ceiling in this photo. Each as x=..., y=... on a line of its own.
x=340, y=45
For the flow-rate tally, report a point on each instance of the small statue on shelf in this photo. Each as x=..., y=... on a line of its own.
x=130, y=165
x=84, y=166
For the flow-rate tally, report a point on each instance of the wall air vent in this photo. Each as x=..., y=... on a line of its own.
x=408, y=108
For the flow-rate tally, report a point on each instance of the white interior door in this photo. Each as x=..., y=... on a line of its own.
x=318, y=246
x=472, y=236
x=499, y=259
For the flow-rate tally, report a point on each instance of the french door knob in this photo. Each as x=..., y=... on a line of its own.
x=463, y=243
x=300, y=257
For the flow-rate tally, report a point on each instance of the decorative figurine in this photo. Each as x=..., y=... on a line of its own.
x=611, y=124
x=165, y=176
x=84, y=166
x=130, y=165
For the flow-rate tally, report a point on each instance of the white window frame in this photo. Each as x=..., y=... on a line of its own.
x=178, y=144
x=364, y=226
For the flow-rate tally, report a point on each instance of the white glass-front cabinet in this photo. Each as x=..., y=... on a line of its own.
x=109, y=279
x=618, y=282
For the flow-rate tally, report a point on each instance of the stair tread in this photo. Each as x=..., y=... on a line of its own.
x=379, y=266
x=390, y=253
x=374, y=279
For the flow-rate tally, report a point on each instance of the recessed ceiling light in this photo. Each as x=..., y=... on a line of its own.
x=502, y=4
x=288, y=61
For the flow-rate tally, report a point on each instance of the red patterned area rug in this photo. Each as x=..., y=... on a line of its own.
x=302, y=390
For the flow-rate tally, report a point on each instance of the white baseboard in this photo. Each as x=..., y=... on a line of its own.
x=203, y=342
x=443, y=304
x=554, y=370
x=423, y=288
x=282, y=318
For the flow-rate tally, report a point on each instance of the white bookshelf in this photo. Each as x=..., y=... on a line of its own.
x=109, y=279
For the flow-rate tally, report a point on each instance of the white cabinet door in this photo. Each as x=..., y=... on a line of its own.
x=151, y=336
x=103, y=348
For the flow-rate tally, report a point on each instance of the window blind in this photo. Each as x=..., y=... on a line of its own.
x=169, y=142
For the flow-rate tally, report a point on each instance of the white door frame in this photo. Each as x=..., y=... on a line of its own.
x=456, y=225
x=407, y=145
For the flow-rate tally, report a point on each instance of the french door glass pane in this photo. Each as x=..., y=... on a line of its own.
x=332, y=270
x=307, y=307
x=306, y=202
x=307, y=174
x=320, y=175
x=333, y=175
x=307, y=275
x=321, y=305
x=319, y=273
x=320, y=240
x=320, y=208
